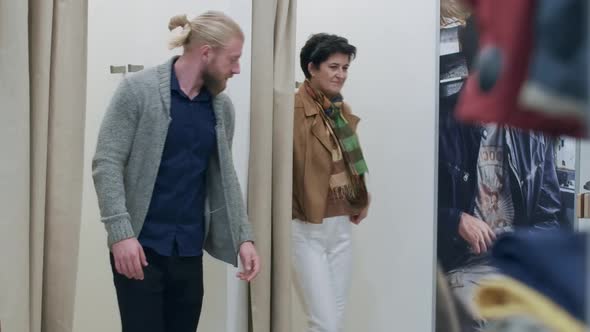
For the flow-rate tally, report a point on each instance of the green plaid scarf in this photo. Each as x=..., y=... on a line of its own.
x=349, y=149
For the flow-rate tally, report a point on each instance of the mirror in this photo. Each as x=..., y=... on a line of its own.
x=492, y=179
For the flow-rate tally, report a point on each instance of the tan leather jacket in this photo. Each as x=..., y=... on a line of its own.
x=312, y=158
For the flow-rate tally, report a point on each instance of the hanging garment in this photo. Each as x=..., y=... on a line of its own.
x=505, y=298
x=551, y=262
x=491, y=93
x=557, y=83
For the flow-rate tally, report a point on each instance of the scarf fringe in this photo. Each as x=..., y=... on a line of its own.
x=344, y=192
x=355, y=192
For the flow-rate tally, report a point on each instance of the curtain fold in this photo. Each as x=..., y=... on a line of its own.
x=271, y=159
x=43, y=101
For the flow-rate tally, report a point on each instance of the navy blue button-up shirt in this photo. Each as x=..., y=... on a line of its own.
x=174, y=225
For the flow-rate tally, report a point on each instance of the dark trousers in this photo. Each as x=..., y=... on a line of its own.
x=169, y=299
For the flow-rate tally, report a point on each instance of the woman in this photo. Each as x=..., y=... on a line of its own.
x=329, y=191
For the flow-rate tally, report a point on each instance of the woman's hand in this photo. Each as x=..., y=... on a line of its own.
x=356, y=219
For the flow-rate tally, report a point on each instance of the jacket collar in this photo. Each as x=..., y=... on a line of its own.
x=309, y=105
x=318, y=127
x=311, y=108
x=164, y=78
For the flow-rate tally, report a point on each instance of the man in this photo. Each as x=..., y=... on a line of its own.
x=492, y=179
x=165, y=180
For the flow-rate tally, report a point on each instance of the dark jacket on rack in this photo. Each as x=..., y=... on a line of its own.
x=533, y=181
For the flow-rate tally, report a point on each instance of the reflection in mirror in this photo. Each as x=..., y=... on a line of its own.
x=503, y=192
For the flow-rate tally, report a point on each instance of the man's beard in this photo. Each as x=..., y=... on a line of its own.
x=214, y=83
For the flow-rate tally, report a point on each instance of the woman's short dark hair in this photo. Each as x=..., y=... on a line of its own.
x=320, y=47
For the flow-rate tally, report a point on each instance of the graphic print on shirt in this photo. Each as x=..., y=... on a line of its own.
x=494, y=203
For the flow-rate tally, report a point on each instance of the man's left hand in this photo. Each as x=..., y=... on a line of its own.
x=250, y=262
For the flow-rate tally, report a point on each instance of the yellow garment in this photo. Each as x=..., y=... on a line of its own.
x=505, y=297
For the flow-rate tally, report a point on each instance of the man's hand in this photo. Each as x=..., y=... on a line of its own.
x=250, y=261
x=477, y=233
x=129, y=258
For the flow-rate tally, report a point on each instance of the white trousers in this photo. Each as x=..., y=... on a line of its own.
x=322, y=266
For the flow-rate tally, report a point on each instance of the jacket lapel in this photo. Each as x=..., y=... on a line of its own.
x=164, y=71
x=218, y=110
x=319, y=131
x=318, y=128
